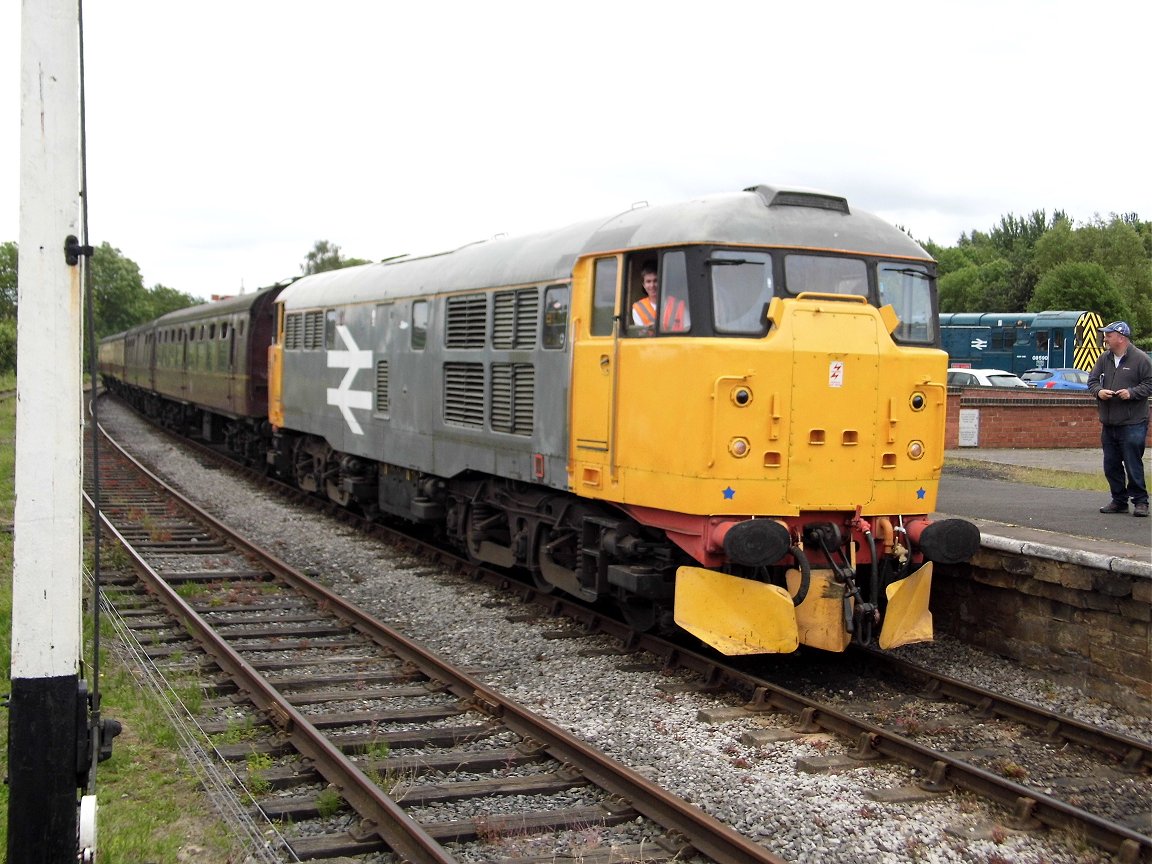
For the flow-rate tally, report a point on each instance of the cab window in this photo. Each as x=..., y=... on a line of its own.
x=825, y=274
x=741, y=290
x=604, y=296
x=674, y=313
x=908, y=288
x=657, y=295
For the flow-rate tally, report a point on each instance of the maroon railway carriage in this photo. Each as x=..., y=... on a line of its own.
x=202, y=370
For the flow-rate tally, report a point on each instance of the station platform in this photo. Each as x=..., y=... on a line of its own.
x=1064, y=524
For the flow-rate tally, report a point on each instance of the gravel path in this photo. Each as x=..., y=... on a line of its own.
x=803, y=817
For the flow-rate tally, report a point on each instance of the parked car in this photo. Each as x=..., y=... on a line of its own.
x=983, y=378
x=1057, y=379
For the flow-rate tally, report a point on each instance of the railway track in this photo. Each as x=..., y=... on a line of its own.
x=333, y=714
x=889, y=728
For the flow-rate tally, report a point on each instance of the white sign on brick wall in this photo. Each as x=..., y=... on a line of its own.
x=969, y=427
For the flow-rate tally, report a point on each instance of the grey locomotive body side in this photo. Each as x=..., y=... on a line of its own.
x=439, y=405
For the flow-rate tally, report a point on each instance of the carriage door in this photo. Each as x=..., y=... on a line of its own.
x=594, y=358
x=233, y=373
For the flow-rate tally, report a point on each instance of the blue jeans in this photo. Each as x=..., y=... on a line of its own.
x=1124, y=454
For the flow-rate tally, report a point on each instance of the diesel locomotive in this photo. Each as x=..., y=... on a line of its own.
x=757, y=469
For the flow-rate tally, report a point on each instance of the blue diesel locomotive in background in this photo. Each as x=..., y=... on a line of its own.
x=1018, y=341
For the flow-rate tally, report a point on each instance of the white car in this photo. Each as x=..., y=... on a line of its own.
x=984, y=378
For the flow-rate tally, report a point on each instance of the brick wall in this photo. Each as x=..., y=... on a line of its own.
x=1013, y=417
x=1085, y=627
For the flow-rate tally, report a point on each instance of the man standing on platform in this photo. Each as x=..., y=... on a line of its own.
x=1121, y=381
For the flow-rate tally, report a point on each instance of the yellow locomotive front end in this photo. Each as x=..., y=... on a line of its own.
x=792, y=454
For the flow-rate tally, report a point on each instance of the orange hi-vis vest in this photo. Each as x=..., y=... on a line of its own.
x=671, y=318
x=644, y=312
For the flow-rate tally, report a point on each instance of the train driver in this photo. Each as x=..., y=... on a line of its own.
x=644, y=310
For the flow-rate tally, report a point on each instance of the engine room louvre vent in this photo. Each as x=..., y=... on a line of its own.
x=513, y=395
x=466, y=321
x=800, y=198
x=313, y=330
x=464, y=394
x=381, y=386
x=294, y=331
x=514, y=318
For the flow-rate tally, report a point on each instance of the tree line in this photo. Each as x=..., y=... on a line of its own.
x=1024, y=264
x=119, y=298
x=1036, y=263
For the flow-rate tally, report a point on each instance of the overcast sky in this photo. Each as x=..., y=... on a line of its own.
x=225, y=138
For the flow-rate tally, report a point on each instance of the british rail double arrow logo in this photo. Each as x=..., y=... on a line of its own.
x=344, y=397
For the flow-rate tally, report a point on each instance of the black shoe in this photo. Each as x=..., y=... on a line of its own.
x=1113, y=507
x=1140, y=509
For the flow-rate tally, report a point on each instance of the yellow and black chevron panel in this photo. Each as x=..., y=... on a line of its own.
x=1089, y=345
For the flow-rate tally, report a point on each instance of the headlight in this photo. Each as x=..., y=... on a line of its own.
x=739, y=447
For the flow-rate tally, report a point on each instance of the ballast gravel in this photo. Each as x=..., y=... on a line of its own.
x=632, y=714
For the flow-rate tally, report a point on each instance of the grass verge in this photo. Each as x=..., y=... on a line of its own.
x=150, y=806
x=1047, y=478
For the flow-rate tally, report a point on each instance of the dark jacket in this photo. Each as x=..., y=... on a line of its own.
x=1134, y=374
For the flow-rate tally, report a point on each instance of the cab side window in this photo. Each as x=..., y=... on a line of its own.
x=674, y=315
x=658, y=295
x=604, y=296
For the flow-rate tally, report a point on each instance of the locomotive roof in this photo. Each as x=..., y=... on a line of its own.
x=760, y=215
x=1036, y=320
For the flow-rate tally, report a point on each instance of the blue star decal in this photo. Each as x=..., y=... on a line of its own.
x=729, y=494
x=920, y=493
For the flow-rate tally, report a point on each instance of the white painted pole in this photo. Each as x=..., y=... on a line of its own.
x=47, y=558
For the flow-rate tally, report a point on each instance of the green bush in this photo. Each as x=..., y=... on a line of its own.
x=7, y=345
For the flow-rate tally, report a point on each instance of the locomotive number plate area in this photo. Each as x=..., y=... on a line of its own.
x=833, y=416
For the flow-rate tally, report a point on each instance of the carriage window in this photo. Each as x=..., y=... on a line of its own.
x=419, y=324
x=604, y=296
x=908, y=289
x=555, y=316
x=741, y=290
x=330, y=330
x=1042, y=340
